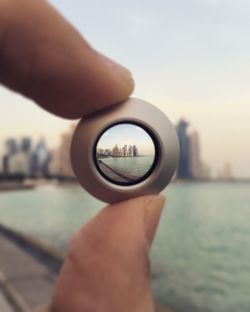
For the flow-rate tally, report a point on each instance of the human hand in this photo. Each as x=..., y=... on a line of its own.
x=107, y=267
x=45, y=59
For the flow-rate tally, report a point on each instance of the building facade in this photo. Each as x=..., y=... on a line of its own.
x=183, y=170
x=194, y=156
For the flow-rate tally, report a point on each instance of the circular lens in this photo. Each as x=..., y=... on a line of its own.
x=125, y=154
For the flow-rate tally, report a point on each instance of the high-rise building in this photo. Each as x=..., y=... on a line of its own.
x=125, y=150
x=55, y=169
x=25, y=145
x=34, y=166
x=19, y=164
x=135, y=151
x=115, y=151
x=5, y=165
x=1, y=166
x=194, y=156
x=60, y=164
x=183, y=171
x=130, y=150
x=205, y=171
x=226, y=173
x=16, y=159
x=11, y=146
x=43, y=158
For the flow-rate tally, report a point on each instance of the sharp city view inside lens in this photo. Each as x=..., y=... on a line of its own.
x=125, y=154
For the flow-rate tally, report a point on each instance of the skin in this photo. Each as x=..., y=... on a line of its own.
x=45, y=59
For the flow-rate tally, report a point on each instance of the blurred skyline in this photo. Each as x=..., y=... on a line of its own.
x=191, y=58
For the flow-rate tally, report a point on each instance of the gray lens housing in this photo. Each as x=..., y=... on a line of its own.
x=133, y=111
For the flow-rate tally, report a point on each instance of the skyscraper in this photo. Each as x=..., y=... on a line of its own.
x=34, y=168
x=135, y=151
x=42, y=155
x=60, y=164
x=11, y=147
x=19, y=164
x=64, y=151
x=115, y=151
x=130, y=150
x=226, y=172
x=5, y=165
x=183, y=171
x=25, y=145
x=125, y=150
x=194, y=156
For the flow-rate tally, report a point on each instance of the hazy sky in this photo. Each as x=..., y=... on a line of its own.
x=126, y=134
x=191, y=58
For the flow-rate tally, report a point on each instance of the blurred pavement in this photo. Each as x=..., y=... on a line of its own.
x=24, y=282
x=28, y=273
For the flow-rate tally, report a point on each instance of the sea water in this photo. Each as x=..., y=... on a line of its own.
x=134, y=166
x=201, y=254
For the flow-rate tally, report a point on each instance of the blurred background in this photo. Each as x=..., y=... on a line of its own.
x=190, y=58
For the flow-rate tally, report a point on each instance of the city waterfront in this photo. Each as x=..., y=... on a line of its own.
x=200, y=258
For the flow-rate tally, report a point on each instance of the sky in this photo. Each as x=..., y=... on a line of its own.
x=191, y=58
x=126, y=134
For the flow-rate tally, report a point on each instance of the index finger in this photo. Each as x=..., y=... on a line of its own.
x=44, y=58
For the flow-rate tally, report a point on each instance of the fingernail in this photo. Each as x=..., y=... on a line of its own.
x=118, y=68
x=153, y=210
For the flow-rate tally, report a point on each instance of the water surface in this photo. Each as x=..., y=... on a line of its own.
x=201, y=254
x=134, y=166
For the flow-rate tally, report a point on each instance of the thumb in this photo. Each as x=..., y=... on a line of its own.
x=107, y=266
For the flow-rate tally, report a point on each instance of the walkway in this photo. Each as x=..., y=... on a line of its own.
x=27, y=273
x=25, y=283
x=114, y=174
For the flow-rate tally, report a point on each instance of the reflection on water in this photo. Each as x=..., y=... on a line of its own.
x=201, y=253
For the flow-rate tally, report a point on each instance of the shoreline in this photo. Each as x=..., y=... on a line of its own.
x=6, y=186
x=115, y=174
x=44, y=255
x=14, y=186
x=121, y=156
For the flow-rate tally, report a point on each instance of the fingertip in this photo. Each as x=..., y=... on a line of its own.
x=140, y=215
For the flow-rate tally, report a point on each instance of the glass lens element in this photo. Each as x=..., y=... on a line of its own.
x=125, y=154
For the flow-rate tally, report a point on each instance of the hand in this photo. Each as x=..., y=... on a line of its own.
x=44, y=58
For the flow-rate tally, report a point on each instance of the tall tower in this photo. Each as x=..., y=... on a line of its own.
x=135, y=151
x=183, y=171
x=60, y=164
x=130, y=150
x=194, y=155
x=11, y=147
x=25, y=145
x=115, y=151
x=42, y=158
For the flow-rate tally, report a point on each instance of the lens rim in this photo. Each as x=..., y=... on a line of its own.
x=156, y=156
x=89, y=128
